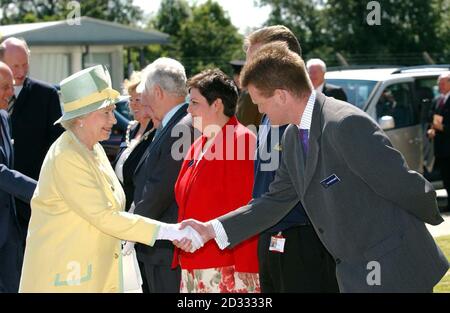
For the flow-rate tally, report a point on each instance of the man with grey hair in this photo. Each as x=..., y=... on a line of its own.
x=164, y=92
x=317, y=69
x=33, y=109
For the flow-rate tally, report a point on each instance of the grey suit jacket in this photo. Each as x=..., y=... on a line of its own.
x=154, y=181
x=374, y=211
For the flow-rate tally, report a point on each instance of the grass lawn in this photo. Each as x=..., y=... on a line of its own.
x=444, y=284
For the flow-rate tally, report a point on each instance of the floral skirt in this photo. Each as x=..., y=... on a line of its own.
x=219, y=280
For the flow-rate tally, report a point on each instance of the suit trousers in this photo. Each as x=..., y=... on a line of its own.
x=11, y=259
x=160, y=278
x=305, y=265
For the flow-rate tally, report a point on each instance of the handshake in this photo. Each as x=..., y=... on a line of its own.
x=189, y=235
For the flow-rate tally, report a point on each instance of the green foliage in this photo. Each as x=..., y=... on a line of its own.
x=30, y=11
x=202, y=36
x=406, y=30
x=444, y=284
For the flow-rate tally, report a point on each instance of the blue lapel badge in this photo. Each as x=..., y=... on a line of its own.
x=330, y=180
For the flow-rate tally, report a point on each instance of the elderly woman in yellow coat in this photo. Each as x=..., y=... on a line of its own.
x=77, y=220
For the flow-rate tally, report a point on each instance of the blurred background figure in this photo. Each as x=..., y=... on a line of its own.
x=246, y=111
x=12, y=184
x=317, y=69
x=139, y=135
x=216, y=177
x=33, y=109
x=440, y=131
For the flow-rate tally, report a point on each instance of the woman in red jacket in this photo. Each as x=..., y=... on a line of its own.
x=215, y=178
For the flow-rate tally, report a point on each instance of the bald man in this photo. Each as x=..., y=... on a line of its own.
x=316, y=70
x=12, y=184
x=33, y=110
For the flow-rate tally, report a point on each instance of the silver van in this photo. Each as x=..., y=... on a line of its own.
x=399, y=99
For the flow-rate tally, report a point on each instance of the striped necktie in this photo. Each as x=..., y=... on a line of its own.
x=11, y=103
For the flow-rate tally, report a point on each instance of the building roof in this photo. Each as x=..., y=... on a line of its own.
x=91, y=31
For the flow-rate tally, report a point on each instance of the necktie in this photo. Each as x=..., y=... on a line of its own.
x=158, y=131
x=441, y=103
x=303, y=134
x=11, y=103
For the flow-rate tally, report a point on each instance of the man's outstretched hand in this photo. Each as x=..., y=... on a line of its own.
x=205, y=230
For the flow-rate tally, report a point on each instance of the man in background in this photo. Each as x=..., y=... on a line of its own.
x=316, y=70
x=33, y=109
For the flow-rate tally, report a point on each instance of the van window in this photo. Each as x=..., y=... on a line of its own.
x=396, y=101
x=357, y=90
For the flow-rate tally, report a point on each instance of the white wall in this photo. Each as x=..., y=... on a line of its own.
x=54, y=63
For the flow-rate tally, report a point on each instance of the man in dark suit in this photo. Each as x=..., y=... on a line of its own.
x=33, y=109
x=155, y=176
x=367, y=207
x=440, y=131
x=12, y=184
x=317, y=69
x=279, y=269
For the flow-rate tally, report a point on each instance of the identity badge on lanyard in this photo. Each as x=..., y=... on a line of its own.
x=277, y=243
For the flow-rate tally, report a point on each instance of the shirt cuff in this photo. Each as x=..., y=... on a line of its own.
x=221, y=235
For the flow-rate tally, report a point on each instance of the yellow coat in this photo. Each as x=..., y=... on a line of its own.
x=77, y=223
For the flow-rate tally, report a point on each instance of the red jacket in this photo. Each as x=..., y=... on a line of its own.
x=219, y=183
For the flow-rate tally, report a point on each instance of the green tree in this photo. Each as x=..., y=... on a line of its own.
x=305, y=20
x=406, y=30
x=208, y=39
x=30, y=11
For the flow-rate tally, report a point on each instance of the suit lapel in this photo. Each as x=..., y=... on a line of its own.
x=22, y=98
x=156, y=142
x=6, y=143
x=313, y=144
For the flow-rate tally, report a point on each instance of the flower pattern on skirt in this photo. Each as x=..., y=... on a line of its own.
x=219, y=280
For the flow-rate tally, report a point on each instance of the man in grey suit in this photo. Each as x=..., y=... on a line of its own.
x=365, y=204
x=12, y=184
x=164, y=92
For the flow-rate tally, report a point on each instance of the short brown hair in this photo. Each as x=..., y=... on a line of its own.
x=274, y=33
x=214, y=84
x=275, y=66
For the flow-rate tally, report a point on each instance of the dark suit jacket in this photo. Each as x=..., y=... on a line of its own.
x=334, y=91
x=263, y=176
x=154, y=182
x=442, y=139
x=12, y=183
x=130, y=164
x=362, y=199
x=35, y=111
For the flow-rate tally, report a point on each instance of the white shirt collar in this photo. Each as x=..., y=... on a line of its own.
x=446, y=96
x=17, y=90
x=170, y=114
x=305, y=122
x=320, y=87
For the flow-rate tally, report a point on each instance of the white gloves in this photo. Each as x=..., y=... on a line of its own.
x=171, y=232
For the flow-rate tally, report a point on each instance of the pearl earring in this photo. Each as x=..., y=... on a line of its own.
x=81, y=125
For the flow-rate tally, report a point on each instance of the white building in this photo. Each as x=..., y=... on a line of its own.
x=59, y=49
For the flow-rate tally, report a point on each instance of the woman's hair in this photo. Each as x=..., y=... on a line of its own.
x=214, y=84
x=69, y=124
x=131, y=84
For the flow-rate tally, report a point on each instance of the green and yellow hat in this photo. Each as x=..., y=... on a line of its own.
x=87, y=91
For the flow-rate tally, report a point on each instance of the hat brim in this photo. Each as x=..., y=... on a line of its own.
x=88, y=109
